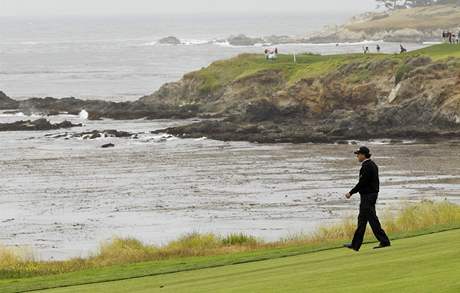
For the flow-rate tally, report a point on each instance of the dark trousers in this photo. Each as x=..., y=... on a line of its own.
x=367, y=214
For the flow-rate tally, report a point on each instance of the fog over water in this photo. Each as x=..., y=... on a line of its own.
x=117, y=7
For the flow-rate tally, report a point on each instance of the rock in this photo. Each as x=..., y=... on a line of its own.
x=108, y=145
x=243, y=40
x=170, y=41
x=273, y=39
x=357, y=101
x=261, y=111
x=39, y=124
x=404, y=35
x=104, y=133
x=97, y=109
x=399, y=25
x=6, y=103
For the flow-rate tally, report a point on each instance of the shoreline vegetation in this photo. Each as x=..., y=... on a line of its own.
x=414, y=219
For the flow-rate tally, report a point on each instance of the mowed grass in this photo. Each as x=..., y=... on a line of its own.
x=429, y=263
x=246, y=66
x=224, y=72
x=439, y=52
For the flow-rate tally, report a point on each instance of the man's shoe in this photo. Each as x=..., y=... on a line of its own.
x=348, y=245
x=382, y=246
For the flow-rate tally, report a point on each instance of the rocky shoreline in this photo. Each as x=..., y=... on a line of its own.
x=269, y=133
x=412, y=97
x=285, y=129
x=36, y=125
x=7, y=103
x=400, y=25
x=97, y=109
x=329, y=35
x=349, y=97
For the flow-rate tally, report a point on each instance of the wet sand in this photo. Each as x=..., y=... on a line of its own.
x=61, y=197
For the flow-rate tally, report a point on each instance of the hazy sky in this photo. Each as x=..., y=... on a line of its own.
x=83, y=7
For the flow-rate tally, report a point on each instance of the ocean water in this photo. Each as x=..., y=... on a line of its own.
x=118, y=58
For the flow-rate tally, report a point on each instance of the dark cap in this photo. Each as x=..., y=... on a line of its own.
x=363, y=150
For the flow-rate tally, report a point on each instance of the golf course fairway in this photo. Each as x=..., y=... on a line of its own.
x=429, y=263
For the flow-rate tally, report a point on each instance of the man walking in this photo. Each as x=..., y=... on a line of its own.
x=368, y=188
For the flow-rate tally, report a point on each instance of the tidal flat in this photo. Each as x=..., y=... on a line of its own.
x=61, y=195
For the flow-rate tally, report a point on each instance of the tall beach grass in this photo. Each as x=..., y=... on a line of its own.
x=414, y=218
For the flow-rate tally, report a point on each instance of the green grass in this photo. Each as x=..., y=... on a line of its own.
x=244, y=66
x=222, y=73
x=438, y=52
x=427, y=263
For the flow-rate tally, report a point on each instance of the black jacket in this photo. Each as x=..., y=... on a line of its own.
x=368, y=179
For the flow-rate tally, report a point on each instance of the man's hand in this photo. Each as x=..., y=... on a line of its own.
x=348, y=195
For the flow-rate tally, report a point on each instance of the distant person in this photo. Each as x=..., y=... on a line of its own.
x=450, y=36
x=403, y=50
x=378, y=48
x=271, y=54
x=366, y=50
x=276, y=51
x=368, y=188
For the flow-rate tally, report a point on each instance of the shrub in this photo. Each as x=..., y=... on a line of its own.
x=240, y=239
